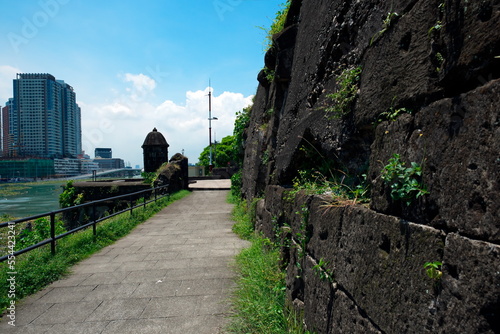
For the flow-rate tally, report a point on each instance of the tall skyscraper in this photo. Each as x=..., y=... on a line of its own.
x=5, y=143
x=45, y=119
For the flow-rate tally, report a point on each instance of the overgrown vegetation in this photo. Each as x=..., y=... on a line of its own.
x=405, y=182
x=38, y=268
x=149, y=177
x=277, y=25
x=69, y=196
x=343, y=189
x=259, y=299
x=37, y=231
x=347, y=89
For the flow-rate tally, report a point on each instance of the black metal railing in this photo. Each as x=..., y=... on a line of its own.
x=148, y=196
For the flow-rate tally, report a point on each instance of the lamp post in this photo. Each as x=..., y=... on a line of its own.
x=210, y=119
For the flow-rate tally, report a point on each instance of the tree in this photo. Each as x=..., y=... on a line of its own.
x=222, y=153
x=240, y=125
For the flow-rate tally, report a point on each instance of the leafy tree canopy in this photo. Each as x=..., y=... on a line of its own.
x=222, y=153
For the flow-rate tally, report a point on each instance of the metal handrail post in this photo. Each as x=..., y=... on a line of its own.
x=94, y=219
x=53, y=233
x=131, y=205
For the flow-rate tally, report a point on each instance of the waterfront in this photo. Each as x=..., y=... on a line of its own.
x=26, y=199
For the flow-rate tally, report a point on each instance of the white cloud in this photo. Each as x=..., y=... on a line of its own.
x=142, y=86
x=7, y=74
x=124, y=123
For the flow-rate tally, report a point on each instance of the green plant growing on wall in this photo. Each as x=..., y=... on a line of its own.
x=440, y=60
x=265, y=157
x=389, y=20
x=321, y=270
x=270, y=74
x=442, y=6
x=302, y=236
x=433, y=271
x=392, y=114
x=439, y=23
x=315, y=183
x=347, y=88
x=436, y=27
x=404, y=181
x=277, y=25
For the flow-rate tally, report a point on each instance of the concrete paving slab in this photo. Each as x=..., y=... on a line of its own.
x=185, y=306
x=90, y=327
x=137, y=266
x=111, y=291
x=157, y=289
x=66, y=294
x=104, y=278
x=172, y=274
x=119, y=309
x=61, y=313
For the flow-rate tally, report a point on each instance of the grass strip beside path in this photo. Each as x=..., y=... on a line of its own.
x=259, y=299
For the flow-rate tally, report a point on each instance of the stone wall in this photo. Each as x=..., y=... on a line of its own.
x=351, y=269
x=437, y=62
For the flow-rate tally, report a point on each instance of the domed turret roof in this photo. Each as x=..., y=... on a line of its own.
x=155, y=138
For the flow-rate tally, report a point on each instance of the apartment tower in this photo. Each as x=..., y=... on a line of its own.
x=45, y=120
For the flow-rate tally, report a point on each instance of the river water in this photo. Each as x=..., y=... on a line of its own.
x=27, y=199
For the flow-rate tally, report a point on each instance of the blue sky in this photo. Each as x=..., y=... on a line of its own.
x=136, y=65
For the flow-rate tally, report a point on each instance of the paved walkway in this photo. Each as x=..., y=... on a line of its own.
x=170, y=275
x=223, y=184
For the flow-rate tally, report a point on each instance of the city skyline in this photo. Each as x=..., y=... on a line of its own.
x=139, y=66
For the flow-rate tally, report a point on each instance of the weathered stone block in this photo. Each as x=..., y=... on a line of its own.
x=380, y=263
x=470, y=297
x=457, y=143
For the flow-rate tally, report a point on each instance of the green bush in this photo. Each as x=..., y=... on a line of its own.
x=69, y=197
x=236, y=184
x=38, y=231
x=404, y=181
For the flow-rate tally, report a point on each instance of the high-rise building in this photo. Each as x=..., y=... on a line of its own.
x=45, y=119
x=5, y=142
